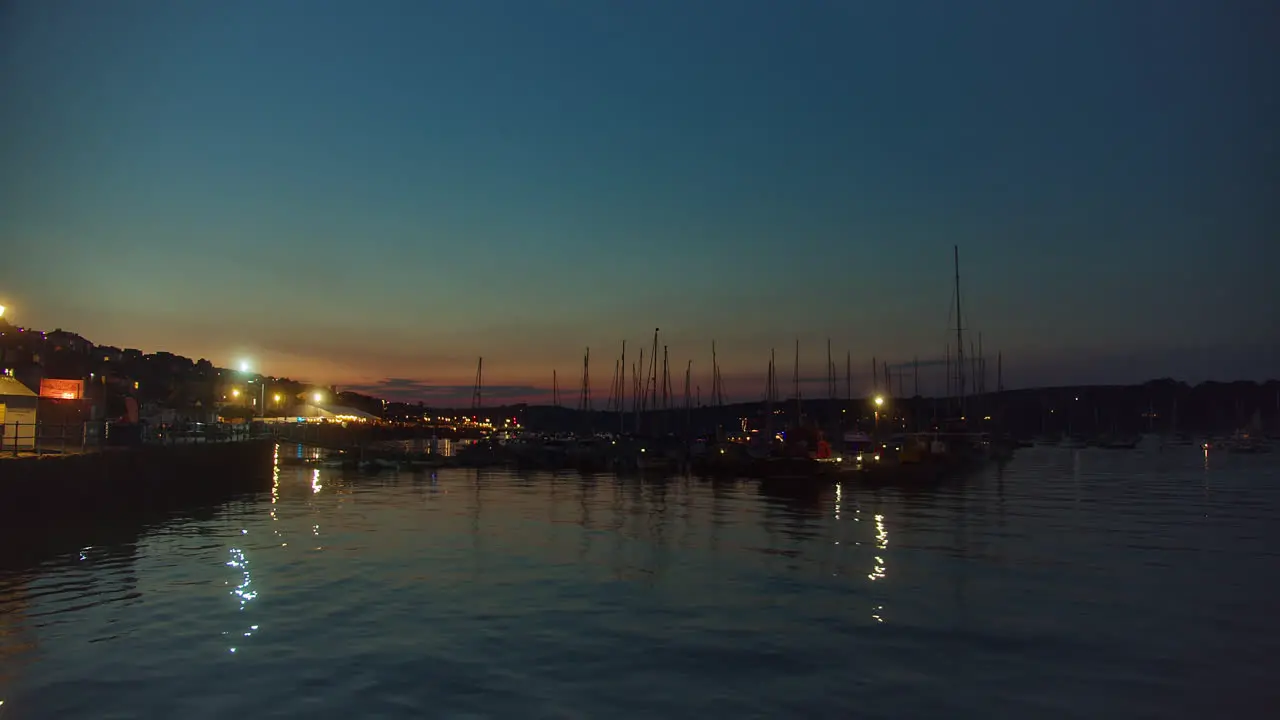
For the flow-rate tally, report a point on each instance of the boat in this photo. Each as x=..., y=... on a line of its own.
x=1247, y=444
x=1117, y=442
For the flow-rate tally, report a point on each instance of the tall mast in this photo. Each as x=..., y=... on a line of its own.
x=584, y=399
x=653, y=364
x=948, y=374
x=688, y=398
x=475, y=393
x=982, y=368
x=555, y=390
x=915, y=393
x=635, y=391
x=999, y=372
x=848, y=376
x=831, y=374
x=666, y=380
x=796, y=381
x=973, y=361
x=615, y=385
x=642, y=391
x=768, y=396
x=715, y=376
x=773, y=376
x=875, y=375
x=622, y=389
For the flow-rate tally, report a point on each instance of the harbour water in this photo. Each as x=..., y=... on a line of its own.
x=1068, y=584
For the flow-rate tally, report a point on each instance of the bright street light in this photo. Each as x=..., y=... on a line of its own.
x=276, y=397
x=244, y=366
x=317, y=397
x=879, y=401
x=235, y=392
x=1, y=311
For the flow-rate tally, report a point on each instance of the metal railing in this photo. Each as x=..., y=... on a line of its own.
x=44, y=438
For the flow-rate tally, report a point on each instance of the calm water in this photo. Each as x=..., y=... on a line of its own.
x=1071, y=584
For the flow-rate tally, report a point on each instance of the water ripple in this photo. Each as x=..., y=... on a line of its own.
x=1067, y=584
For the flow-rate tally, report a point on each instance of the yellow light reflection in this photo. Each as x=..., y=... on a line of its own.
x=242, y=591
x=882, y=541
x=877, y=613
x=275, y=488
x=315, y=481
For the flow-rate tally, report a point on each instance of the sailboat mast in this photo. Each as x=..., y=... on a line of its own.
x=635, y=391
x=584, y=400
x=715, y=376
x=831, y=374
x=768, y=395
x=476, y=399
x=848, y=377
x=653, y=364
x=773, y=376
x=666, y=379
x=622, y=389
x=615, y=386
x=642, y=390
x=973, y=361
x=795, y=380
x=948, y=373
x=688, y=399
x=555, y=390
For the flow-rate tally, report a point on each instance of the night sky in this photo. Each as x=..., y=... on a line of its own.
x=375, y=193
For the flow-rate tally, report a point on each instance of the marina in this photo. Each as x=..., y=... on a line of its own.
x=644, y=360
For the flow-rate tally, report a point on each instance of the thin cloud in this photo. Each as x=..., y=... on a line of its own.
x=413, y=390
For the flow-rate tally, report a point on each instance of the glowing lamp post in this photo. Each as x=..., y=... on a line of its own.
x=879, y=401
x=261, y=402
x=1, y=311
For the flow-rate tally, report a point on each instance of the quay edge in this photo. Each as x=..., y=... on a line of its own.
x=47, y=490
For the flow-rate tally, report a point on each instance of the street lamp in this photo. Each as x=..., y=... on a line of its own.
x=879, y=403
x=317, y=397
x=1, y=311
x=262, y=393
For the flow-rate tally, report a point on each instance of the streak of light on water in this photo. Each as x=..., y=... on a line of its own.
x=1067, y=584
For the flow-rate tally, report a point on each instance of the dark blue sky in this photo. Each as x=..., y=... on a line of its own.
x=355, y=191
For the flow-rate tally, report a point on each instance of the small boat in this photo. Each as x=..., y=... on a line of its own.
x=1247, y=444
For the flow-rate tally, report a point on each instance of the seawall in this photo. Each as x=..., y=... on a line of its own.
x=50, y=490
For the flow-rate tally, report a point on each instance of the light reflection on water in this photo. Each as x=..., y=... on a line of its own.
x=1070, y=584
